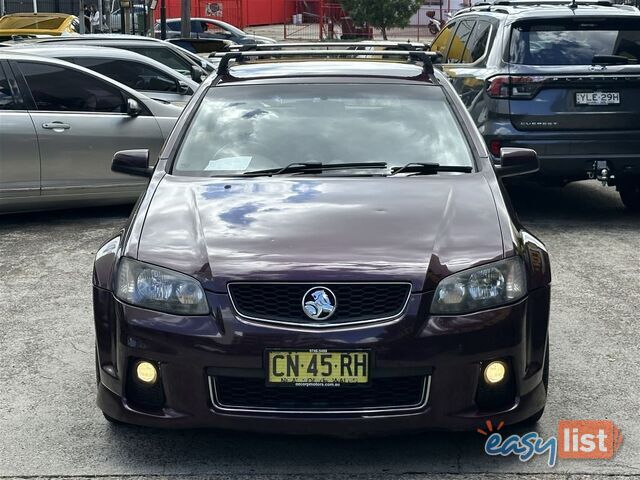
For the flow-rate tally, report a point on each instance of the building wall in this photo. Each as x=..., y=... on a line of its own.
x=264, y=12
x=241, y=13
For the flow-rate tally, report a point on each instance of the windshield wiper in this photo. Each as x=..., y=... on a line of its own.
x=314, y=167
x=429, y=168
x=609, y=60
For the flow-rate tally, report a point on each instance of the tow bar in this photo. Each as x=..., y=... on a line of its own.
x=602, y=173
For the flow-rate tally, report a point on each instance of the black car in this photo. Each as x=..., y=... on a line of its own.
x=210, y=28
x=559, y=77
x=309, y=258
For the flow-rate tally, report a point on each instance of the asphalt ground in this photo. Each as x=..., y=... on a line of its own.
x=50, y=426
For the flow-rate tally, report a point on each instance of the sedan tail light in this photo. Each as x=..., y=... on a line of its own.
x=514, y=87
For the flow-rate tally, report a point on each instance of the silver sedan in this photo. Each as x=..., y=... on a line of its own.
x=60, y=125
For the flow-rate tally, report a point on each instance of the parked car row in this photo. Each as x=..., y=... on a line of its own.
x=560, y=77
x=61, y=124
x=66, y=109
x=171, y=55
x=136, y=71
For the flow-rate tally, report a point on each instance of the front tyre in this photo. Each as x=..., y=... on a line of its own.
x=630, y=196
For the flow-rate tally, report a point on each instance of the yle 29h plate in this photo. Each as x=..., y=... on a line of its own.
x=598, y=98
x=319, y=368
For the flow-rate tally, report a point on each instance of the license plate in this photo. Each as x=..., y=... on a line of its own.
x=319, y=368
x=598, y=98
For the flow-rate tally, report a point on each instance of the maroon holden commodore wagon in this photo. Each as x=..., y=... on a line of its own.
x=324, y=247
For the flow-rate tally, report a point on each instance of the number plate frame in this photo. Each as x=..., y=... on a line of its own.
x=267, y=367
x=603, y=99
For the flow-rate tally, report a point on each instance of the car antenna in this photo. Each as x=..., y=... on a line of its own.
x=574, y=5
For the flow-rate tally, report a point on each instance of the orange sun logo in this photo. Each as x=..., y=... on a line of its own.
x=489, y=428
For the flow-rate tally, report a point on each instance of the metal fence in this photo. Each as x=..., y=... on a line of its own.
x=324, y=20
x=303, y=19
x=320, y=20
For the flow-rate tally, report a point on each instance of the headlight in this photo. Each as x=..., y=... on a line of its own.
x=482, y=287
x=159, y=289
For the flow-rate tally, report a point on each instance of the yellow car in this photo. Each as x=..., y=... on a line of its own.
x=37, y=24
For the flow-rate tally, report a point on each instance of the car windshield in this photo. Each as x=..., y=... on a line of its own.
x=240, y=129
x=163, y=55
x=31, y=23
x=574, y=42
x=236, y=31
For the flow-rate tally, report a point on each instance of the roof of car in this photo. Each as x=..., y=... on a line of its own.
x=43, y=15
x=18, y=54
x=199, y=19
x=95, y=37
x=519, y=9
x=77, y=51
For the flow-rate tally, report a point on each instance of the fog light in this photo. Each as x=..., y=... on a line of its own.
x=146, y=372
x=495, y=372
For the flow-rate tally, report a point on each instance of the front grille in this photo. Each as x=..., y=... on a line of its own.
x=356, y=302
x=395, y=393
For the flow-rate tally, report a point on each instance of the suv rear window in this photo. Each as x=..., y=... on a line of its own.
x=574, y=41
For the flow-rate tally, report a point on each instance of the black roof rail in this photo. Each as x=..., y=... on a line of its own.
x=409, y=46
x=23, y=36
x=427, y=58
x=484, y=7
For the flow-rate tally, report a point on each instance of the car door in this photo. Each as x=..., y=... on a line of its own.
x=81, y=120
x=19, y=155
x=197, y=28
x=212, y=30
x=139, y=76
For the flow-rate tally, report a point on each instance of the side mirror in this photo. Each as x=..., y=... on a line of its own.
x=132, y=162
x=517, y=161
x=183, y=88
x=197, y=73
x=133, y=108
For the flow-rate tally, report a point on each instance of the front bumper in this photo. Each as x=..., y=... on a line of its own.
x=446, y=351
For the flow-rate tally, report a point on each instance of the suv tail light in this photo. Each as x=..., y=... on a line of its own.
x=495, y=147
x=514, y=87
